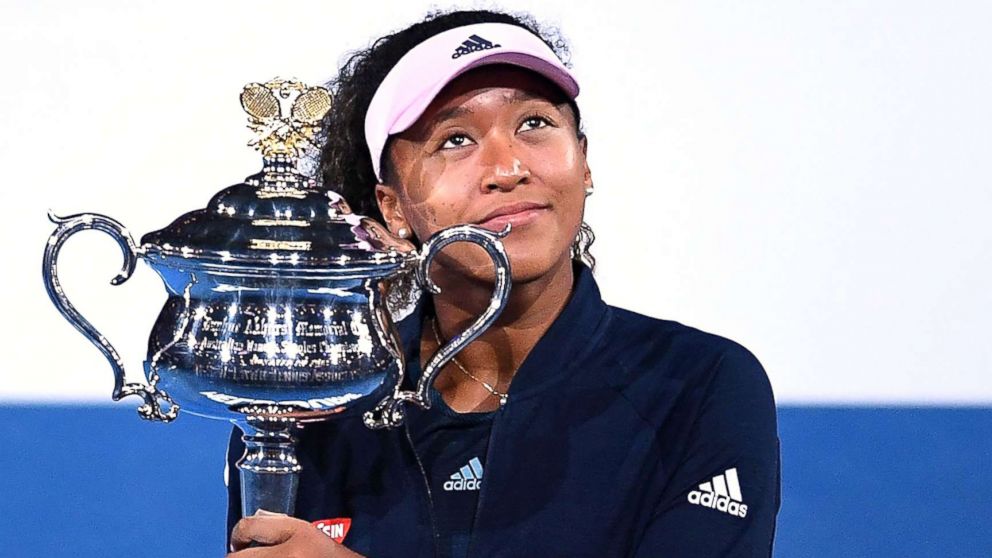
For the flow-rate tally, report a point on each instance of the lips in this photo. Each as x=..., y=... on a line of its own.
x=516, y=214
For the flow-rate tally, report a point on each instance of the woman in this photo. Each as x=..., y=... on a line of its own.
x=570, y=428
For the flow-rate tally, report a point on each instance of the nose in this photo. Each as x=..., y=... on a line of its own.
x=504, y=170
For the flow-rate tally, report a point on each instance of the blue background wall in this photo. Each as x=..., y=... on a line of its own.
x=856, y=481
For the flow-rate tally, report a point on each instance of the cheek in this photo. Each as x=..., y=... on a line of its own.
x=435, y=199
x=563, y=170
x=559, y=154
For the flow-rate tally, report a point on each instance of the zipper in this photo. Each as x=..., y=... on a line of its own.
x=482, y=489
x=427, y=485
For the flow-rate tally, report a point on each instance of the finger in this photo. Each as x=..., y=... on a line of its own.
x=262, y=530
x=267, y=530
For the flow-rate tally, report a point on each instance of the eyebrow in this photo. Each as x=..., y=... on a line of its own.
x=448, y=114
x=520, y=96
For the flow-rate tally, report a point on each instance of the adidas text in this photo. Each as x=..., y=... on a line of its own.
x=462, y=484
x=722, y=503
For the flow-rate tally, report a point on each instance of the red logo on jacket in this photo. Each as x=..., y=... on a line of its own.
x=336, y=528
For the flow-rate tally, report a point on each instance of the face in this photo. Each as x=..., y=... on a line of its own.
x=498, y=145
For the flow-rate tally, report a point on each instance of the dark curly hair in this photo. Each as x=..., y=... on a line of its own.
x=345, y=163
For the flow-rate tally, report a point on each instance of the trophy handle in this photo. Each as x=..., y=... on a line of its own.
x=389, y=413
x=68, y=226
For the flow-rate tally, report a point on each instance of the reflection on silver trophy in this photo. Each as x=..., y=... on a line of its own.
x=281, y=302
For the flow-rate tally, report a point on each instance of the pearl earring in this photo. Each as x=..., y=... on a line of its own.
x=403, y=232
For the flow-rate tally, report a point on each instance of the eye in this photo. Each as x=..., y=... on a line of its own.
x=456, y=140
x=534, y=122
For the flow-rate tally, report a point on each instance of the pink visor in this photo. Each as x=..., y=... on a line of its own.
x=420, y=74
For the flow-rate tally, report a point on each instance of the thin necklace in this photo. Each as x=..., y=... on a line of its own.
x=502, y=396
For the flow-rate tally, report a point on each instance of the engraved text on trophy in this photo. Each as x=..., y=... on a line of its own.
x=269, y=343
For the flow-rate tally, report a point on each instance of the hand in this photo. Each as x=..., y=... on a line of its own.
x=283, y=537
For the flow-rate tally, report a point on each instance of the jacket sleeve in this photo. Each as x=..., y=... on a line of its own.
x=723, y=497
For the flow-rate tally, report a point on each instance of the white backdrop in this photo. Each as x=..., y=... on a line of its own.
x=812, y=181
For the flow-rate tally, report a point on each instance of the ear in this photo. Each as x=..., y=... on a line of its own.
x=586, y=172
x=389, y=205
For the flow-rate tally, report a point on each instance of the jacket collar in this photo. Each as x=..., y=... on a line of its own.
x=568, y=342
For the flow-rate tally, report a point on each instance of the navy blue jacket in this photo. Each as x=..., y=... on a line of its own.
x=623, y=435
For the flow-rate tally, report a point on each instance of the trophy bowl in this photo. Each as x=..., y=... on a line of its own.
x=281, y=302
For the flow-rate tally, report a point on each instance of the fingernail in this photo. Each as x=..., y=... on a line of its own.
x=268, y=513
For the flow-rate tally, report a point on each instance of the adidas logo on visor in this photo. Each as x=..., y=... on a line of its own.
x=723, y=493
x=473, y=44
x=469, y=477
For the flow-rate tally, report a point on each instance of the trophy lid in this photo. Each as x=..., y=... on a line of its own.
x=279, y=218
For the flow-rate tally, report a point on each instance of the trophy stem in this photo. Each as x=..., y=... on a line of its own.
x=270, y=472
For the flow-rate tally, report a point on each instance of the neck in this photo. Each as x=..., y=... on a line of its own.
x=497, y=354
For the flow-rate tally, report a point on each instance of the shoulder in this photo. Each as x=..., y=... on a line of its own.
x=656, y=346
x=664, y=367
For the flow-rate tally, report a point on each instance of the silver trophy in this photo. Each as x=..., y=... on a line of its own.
x=281, y=302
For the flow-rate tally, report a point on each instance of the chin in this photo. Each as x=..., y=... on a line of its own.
x=533, y=254
x=530, y=261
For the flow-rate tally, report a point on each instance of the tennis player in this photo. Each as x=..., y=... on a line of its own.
x=571, y=427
